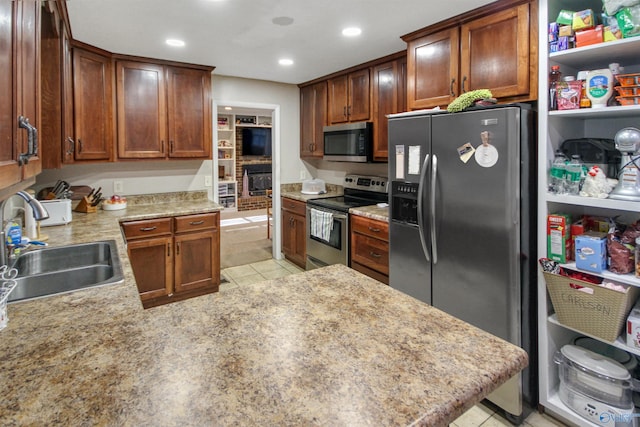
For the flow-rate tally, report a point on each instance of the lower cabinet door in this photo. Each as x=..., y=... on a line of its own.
x=151, y=261
x=197, y=262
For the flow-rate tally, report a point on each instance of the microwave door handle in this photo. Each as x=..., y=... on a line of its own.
x=421, y=184
x=432, y=213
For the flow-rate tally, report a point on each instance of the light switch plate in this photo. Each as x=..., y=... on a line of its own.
x=207, y=181
x=118, y=187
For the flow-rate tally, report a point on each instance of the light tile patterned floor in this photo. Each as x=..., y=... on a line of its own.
x=479, y=415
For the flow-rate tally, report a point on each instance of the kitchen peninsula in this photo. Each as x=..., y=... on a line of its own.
x=325, y=347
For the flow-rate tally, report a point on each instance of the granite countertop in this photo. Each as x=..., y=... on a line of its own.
x=373, y=212
x=292, y=191
x=324, y=347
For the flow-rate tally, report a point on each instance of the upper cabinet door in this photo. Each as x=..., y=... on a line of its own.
x=338, y=99
x=189, y=112
x=385, y=101
x=495, y=53
x=432, y=69
x=28, y=74
x=359, y=107
x=10, y=172
x=141, y=110
x=93, y=105
x=313, y=115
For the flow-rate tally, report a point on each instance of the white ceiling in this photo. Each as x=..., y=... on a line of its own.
x=239, y=38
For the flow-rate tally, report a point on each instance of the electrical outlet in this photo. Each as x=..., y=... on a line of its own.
x=207, y=180
x=303, y=174
x=118, y=187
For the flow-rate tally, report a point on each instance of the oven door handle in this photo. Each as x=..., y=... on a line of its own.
x=335, y=215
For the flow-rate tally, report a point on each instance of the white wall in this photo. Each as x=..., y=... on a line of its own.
x=230, y=90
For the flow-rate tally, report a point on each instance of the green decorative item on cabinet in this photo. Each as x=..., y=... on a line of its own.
x=467, y=99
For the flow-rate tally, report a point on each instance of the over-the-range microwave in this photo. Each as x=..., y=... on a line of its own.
x=349, y=142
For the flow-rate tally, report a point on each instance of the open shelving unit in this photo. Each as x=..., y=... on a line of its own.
x=226, y=149
x=555, y=127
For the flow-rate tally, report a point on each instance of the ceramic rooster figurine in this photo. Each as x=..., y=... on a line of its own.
x=596, y=184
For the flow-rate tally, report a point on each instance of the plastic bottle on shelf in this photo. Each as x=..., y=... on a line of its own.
x=585, y=102
x=554, y=77
x=573, y=175
x=557, y=174
x=599, y=87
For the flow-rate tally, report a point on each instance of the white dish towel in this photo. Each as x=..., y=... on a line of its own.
x=321, y=224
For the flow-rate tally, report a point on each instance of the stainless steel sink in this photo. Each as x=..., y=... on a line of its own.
x=51, y=271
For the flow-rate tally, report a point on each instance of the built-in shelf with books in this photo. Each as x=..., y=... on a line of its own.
x=226, y=149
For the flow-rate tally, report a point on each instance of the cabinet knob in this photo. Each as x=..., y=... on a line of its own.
x=196, y=222
x=147, y=228
x=451, y=91
x=374, y=230
x=464, y=79
x=79, y=146
x=374, y=254
x=72, y=144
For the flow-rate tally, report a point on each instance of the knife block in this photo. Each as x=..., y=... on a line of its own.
x=85, y=206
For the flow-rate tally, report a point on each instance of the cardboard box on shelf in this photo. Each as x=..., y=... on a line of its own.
x=589, y=37
x=591, y=251
x=559, y=245
x=633, y=327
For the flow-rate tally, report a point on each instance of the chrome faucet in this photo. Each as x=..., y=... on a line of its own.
x=39, y=213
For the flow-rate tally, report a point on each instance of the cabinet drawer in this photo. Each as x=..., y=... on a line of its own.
x=196, y=222
x=146, y=228
x=294, y=206
x=370, y=227
x=373, y=253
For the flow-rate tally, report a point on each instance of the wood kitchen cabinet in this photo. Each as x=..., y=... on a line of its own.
x=77, y=98
x=370, y=247
x=174, y=258
x=20, y=86
x=349, y=97
x=389, y=96
x=313, y=117
x=162, y=111
x=92, y=137
x=294, y=229
x=493, y=47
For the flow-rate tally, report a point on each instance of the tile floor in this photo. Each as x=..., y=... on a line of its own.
x=479, y=415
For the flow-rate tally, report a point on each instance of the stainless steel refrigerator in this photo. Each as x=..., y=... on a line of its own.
x=462, y=218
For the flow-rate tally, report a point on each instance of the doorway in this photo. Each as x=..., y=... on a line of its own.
x=246, y=184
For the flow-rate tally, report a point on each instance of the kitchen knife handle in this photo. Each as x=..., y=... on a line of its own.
x=434, y=174
x=148, y=228
x=423, y=176
x=453, y=81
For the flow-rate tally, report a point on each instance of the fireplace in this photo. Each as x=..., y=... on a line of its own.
x=259, y=178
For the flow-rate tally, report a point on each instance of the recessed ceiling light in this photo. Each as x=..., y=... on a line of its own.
x=228, y=108
x=285, y=61
x=351, y=31
x=282, y=20
x=175, y=42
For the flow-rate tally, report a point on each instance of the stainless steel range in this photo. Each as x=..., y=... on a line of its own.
x=328, y=219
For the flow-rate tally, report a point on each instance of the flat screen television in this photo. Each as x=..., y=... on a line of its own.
x=256, y=142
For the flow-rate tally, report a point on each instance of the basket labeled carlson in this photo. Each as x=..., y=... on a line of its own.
x=589, y=307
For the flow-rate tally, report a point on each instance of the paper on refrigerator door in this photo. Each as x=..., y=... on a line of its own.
x=414, y=160
x=399, y=161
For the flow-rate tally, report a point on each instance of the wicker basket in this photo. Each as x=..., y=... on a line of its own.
x=594, y=310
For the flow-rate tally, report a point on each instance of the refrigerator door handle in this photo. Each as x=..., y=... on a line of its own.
x=432, y=207
x=423, y=176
